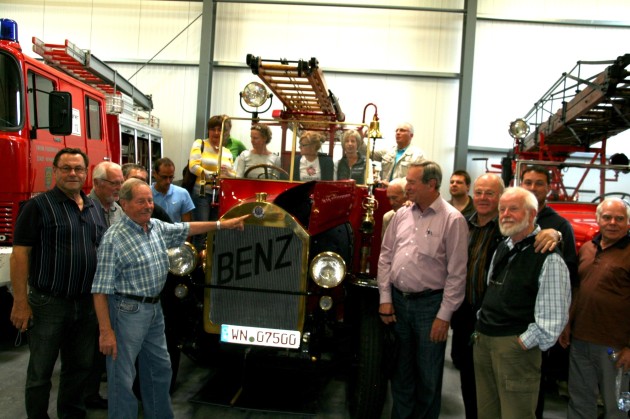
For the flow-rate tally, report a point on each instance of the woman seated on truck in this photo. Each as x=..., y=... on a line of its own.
x=352, y=164
x=258, y=156
x=312, y=165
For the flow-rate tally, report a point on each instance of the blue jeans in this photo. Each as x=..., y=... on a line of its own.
x=139, y=329
x=63, y=327
x=204, y=211
x=417, y=378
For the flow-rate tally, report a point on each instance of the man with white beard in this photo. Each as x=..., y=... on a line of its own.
x=524, y=310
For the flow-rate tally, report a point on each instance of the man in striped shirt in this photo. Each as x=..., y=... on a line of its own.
x=54, y=253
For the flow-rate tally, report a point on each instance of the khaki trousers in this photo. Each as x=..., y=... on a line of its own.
x=507, y=378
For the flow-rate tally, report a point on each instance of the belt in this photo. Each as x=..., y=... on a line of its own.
x=148, y=300
x=416, y=295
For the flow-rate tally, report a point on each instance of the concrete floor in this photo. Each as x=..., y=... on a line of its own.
x=330, y=403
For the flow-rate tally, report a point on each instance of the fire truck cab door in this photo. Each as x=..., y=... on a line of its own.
x=88, y=131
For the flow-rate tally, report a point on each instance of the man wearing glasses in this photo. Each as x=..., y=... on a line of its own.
x=175, y=200
x=54, y=253
x=107, y=179
x=524, y=310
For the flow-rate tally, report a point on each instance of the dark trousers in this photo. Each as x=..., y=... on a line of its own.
x=61, y=327
x=417, y=378
x=93, y=382
x=555, y=367
x=463, y=324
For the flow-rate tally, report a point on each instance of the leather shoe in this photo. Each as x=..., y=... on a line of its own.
x=96, y=402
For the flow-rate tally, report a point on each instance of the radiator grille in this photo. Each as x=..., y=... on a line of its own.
x=253, y=261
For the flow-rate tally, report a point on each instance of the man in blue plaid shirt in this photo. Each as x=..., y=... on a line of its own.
x=131, y=271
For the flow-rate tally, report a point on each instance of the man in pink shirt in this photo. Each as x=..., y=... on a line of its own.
x=422, y=279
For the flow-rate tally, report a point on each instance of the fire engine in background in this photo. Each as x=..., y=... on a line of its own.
x=572, y=125
x=81, y=103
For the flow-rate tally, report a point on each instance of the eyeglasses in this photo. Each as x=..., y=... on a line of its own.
x=306, y=144
x=79, y=170
x=117, y=183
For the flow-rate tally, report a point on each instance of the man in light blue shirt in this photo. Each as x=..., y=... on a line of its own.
x=175, y=200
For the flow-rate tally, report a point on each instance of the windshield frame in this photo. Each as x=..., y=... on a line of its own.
x=12, y=73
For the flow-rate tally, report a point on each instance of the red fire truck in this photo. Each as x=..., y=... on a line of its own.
x=571, y=126
x=300, y=282
x=72, y=99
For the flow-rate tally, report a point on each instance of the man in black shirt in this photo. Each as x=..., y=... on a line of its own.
x=54, y=253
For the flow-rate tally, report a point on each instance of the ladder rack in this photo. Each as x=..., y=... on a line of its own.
x=84, y=66
x=577, y=112
x=301, y=87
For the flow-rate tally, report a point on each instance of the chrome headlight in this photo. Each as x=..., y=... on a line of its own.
x=328, y=269
x=182, y=260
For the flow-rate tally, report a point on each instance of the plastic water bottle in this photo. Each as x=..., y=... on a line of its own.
x=621, y=384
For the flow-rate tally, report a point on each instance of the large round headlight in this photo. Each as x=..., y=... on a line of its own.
x=328, y=269
x=182, y=260
x=519, y=129
x=255, y=94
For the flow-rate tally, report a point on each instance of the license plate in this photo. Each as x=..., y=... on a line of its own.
x=259, y=336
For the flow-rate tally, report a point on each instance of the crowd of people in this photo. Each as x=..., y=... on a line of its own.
x=496, y=265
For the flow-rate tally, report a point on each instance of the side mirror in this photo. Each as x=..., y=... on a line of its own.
x=60, y=113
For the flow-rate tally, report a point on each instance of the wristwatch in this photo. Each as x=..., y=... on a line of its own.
x=559, y=236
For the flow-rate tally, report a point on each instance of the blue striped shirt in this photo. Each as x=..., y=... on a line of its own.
x=134, y=261
x=63, y=241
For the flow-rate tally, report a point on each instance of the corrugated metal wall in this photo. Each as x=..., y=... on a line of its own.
x=515, y=60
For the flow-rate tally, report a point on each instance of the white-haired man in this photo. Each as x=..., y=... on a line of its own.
x=599, y=315
x=395, y=161
x=397, y=197
x=524, y=310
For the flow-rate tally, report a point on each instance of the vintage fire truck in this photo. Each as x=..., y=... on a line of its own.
x=72, y=99
x=572, y=124
x=299, y=282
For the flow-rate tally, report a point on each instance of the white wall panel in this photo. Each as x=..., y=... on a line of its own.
x=515, y=64
x=348, y=38
x=586, y=10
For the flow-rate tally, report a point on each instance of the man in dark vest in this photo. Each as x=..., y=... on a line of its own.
x=524, y=310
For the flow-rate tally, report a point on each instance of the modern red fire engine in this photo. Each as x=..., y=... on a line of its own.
x=71, y=99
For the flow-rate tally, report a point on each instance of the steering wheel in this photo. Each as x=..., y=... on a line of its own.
x=623, y=195
x=269, y=172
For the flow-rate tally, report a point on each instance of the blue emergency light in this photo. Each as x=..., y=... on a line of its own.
x=8, y=30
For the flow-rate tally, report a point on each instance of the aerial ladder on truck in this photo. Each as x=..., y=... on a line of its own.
x=577, y=114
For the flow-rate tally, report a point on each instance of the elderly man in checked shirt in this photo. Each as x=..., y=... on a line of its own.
x=524, y=310
x=131, y=272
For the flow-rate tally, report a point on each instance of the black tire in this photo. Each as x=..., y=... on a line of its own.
x=367, y=385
